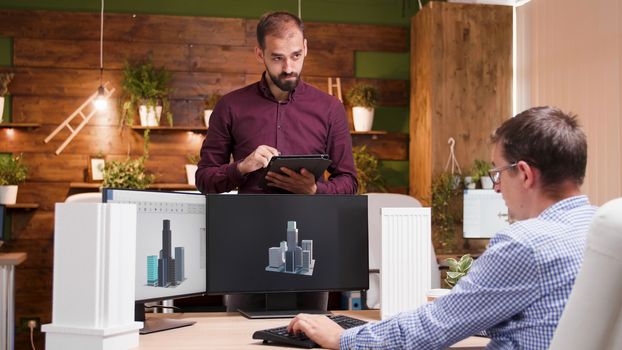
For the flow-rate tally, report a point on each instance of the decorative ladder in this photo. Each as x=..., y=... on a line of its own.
x=336, y=85
x=78, y=112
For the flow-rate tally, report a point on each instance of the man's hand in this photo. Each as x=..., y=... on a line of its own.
x=303, y=183
x=258, y=159
x=319, y=328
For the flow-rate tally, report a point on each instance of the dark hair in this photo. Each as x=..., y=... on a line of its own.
x=548, y=139
x=275, y=23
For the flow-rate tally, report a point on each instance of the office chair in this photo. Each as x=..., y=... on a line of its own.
x=592, y=318
x=376, y=201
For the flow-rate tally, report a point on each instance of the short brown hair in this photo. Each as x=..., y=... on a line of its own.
x=548, y=139
x=275, y=23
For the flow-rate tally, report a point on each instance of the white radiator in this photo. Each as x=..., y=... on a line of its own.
x=405, y=270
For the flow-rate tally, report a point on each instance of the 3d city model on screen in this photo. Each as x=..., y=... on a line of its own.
x=166, y=271
x=289, y=257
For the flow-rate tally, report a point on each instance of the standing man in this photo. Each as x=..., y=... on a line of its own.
x=516, y=291
x=280, y=114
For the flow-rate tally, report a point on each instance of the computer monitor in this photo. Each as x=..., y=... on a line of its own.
x=170, y=248
x=286, y=243
x=484, y=213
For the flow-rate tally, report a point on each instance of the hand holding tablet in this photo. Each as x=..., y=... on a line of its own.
x=314, y=163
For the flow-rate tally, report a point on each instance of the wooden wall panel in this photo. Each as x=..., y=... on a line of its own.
x=123, y=27
x=80, y=54
x=461, y=85
x=391, y=146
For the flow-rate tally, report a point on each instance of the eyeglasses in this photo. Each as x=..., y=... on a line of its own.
x=495, y=174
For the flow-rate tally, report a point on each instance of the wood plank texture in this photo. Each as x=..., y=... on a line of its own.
x=461, y=85
x=56, y=66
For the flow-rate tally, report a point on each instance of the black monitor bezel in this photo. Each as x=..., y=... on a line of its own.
x=180, y=296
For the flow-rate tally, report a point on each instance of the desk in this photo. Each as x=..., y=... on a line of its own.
x=222, y=330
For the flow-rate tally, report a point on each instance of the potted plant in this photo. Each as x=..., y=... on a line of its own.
x=457, y=269
x=208, y=104
x=367, y=173
x=129, y=173
x=145, y=88
x=479, y=172
x=5, y=79
x=191, y=167
x=446, y=210
x=12, y=173
x=363, y=98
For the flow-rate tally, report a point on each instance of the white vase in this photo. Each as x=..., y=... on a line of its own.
x=1, y=108
x=149, y=116
x=191, y=169
x=363, y=118
x=468, y=182
x=206, y=114
x=486, y=183
x=8, y=194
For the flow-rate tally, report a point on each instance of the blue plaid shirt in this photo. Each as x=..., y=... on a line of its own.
x=515, y=292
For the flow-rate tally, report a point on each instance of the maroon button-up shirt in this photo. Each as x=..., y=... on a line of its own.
x=310, y=122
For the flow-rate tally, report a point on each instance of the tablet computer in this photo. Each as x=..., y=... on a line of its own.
x=315, y=163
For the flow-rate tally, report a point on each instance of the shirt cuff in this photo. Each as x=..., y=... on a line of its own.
x=321, y=187
x=234, y=175
x=348, y=337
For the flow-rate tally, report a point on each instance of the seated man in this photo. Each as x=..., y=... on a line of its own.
x=517, y=289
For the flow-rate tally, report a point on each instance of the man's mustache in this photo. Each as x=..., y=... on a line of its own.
x=290, y=75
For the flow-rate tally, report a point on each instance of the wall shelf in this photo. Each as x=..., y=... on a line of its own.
x=155, y=186
x=19, y=125
x=24, y=206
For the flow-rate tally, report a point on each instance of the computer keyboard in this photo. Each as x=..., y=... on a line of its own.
x=280, y=334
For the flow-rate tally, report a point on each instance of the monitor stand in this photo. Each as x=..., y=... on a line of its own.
x=280, y=305
x=158, y=324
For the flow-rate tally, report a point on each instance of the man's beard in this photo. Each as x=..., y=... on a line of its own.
x=285, y=85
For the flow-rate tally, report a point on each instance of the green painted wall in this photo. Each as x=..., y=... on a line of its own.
x=6, y=51
x=396, y=12
x=6, y=59
x=382, y=65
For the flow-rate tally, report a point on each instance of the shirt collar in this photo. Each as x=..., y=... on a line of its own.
x=563, y=206
x=265, y=89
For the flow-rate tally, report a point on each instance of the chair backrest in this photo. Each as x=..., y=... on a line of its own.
x=376, y=201
x=89, y=197
x=592, y=318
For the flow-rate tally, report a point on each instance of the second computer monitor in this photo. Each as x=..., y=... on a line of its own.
x=279, y=243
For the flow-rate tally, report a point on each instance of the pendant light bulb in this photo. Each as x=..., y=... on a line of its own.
x=101, y=102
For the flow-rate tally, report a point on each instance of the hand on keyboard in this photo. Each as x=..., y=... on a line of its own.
x=310, y=330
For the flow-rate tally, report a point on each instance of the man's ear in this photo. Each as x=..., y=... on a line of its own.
x=259, y=54
x=305, y=46
x=529, y=174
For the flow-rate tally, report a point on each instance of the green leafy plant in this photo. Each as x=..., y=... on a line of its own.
x=367, y=172
x=12, y=171
x=129, y=173
x=363, y=95
x=193, y=158
x=480, y=169
x=5, y=80
x=144, y=84
x=445, y=212
x=210, y=101
x=458, y=269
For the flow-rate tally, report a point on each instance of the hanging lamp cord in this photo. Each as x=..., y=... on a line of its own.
x=101, y=46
